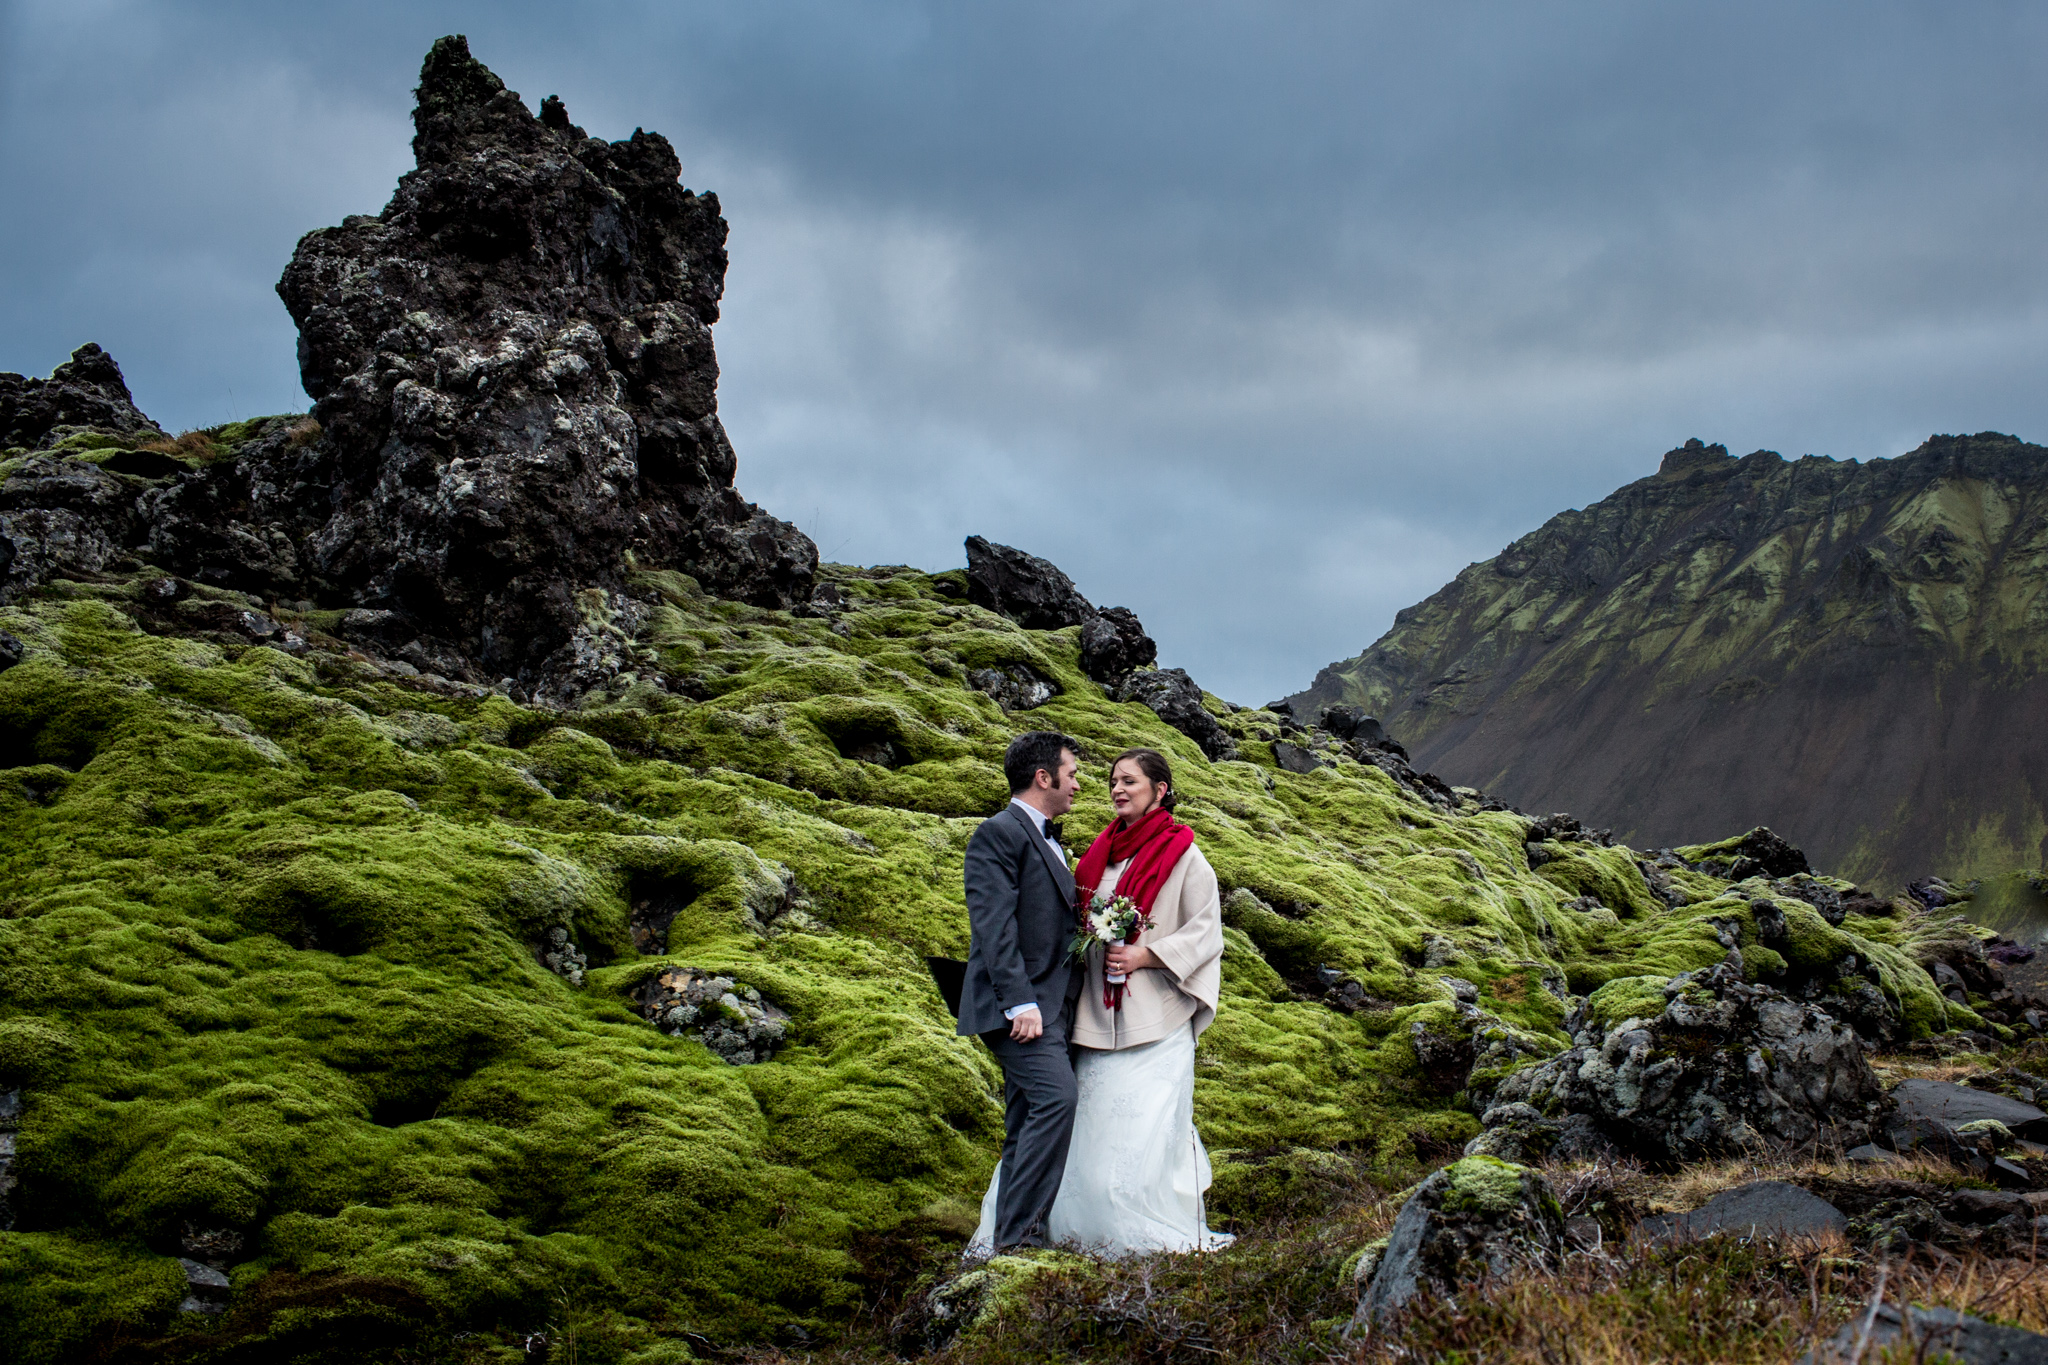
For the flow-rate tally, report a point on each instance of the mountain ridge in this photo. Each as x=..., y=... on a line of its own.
x=1732, y=640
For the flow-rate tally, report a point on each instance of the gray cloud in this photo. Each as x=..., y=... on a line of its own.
x=1260, y=319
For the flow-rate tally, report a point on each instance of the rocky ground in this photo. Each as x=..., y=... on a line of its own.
x=408, y=956
x=1780, y=1257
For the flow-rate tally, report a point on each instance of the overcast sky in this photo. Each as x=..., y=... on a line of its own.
x=1262, y=319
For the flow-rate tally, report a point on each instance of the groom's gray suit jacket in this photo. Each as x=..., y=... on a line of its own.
x=1020, y=899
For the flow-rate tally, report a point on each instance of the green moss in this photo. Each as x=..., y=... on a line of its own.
x=269, y=957
x=1628, y=997
x=1482, y=1184
x=1609, y=875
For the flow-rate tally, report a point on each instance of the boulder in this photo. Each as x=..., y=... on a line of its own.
x=1351, y=722
x=1954, y=1106
x=1029, y=590
x=206, y=1289
x=1769, y=1208
x=960, y=1307
x=1175, y=699
x=1723, y=1067
x=1476, y=1218
x=1932, y=1334
x=1516, y=1132
x=12, y=650
x=1114, y=644
x=1295, y=759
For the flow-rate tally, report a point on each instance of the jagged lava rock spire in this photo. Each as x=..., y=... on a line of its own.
x=513, y=369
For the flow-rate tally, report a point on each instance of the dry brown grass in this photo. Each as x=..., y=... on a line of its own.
x=1724, y=1302
x=1895, y=1067
x=190, y=445
x=1695, y=1185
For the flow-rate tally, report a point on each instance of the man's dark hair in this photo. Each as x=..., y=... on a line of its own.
x=1031, y=751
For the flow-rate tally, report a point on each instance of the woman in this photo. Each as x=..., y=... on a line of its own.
x=1136, y=1170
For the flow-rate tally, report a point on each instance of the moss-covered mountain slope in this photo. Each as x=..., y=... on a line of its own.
x=1854, y=654
x=274, y=921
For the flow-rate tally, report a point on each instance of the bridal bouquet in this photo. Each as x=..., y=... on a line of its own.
x=1108, y=919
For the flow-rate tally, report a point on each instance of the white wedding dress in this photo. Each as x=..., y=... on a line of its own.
x=1136, y=1171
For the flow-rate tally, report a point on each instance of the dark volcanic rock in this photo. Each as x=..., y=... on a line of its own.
x=1351, y=722
x=1725, y=1067
x=513, y=371
x=1016, y=687
x=1759, y=853
x=1772, y=1208
x=61, y=516
x=1931, y=1334
x=1294, y=758
x=1952, y=1106
x=734, y=1020
x=1114, y=643
x=515, y=405
x=1478, y=1218
x=87, y=391
x=1029, y=590
x=1175, y=698
x=11, y=651
x=10, y=1120
x=1035, y=594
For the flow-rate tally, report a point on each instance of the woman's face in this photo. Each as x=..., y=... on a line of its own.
x=1131, y=792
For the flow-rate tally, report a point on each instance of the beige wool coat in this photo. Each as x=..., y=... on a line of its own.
x=1187, y=937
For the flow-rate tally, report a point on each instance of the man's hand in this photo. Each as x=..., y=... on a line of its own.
x=1027, y=1025
x=1131, y=957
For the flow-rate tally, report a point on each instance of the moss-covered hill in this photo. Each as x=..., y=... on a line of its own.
x=1850, y=653
x=273, y=920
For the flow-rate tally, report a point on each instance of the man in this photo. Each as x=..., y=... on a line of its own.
x=1017, y=996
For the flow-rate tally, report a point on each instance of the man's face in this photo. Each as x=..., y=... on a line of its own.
x=1059, y=790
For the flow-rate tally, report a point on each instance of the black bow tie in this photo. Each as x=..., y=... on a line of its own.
x=1052, y=830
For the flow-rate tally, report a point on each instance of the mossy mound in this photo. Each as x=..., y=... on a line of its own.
x=272, y=942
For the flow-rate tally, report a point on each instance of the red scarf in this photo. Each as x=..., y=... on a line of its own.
x=1153, y=845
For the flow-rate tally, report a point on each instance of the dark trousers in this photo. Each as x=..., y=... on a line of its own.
x=1038, y=1125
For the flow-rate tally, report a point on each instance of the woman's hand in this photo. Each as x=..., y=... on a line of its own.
x=1130, y=957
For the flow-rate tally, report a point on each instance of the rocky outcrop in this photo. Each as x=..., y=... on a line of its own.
x=1722, y=1066
x=1832, y=648
x=1175, y=699
x=1115, y=650
x=1035, y=594
x=513, y=370
x=1114, y=644
x=1477, y=1218
x=85, y=394
x=515, y=406
x=1031, y=591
